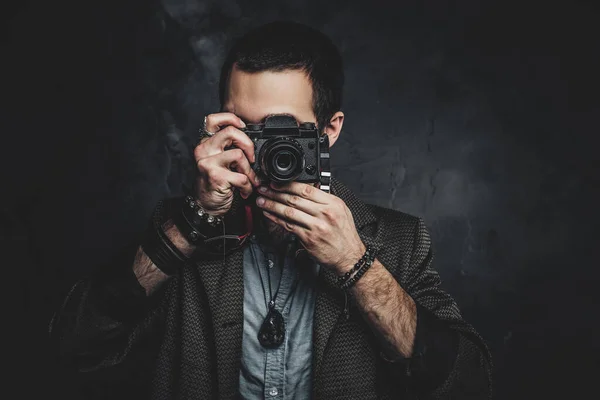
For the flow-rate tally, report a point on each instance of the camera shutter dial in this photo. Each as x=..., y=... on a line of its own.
x=307, y=126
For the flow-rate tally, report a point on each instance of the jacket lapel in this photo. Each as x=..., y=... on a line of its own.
x=223, y=281
x=330, y=300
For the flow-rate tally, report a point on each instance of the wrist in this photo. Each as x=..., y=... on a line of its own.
x=148, y=275
x=350, y=261
x=194, y=223
x=215, y=212
x=177, y=238
x=158, y=246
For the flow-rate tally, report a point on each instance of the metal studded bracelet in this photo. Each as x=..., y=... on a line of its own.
x=195, y=223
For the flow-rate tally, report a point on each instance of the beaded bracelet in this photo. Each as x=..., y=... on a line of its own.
x=347, y=281
x=356, y=267
x=368, y=259
x=352, y=280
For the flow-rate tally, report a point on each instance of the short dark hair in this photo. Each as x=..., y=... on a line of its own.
x=284, y=45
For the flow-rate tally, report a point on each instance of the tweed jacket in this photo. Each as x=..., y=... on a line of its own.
x=184, y=340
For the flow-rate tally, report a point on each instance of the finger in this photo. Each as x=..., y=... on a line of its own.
x=233, y=159
x=292, y=200
x=287, y=213
x=214, y=122
x=229, y=136
x=224, y=179
x=291, y=227
x=240, y=181
x=305, y=191
x=236, y=159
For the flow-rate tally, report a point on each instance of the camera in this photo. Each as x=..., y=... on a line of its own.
x=286, y=151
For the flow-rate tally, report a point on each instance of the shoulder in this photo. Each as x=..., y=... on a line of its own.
x=386, y=225
x=404, y=238
x=398, y=223
x=394, y=216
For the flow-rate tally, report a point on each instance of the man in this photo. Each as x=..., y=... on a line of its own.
x=323, y=297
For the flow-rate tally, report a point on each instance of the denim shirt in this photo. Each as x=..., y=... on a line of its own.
x=284, y=372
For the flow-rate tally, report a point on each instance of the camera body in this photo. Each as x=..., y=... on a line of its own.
x=286, y=151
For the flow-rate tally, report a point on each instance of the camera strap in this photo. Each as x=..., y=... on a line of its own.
x=324, y=164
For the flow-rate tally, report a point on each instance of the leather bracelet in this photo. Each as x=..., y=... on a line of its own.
x=157, y=245
x=210, y=240
x=189, y=232
x=194, y=223
x=213, y=236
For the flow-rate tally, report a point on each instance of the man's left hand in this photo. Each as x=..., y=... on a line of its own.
x=321, y=221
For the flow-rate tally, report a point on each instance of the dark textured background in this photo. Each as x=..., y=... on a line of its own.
x=481, y=118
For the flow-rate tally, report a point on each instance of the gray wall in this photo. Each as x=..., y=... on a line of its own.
x=477, y=117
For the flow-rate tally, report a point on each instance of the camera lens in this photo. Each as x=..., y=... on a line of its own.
x=282, y=159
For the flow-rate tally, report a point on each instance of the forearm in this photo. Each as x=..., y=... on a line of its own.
x=426, y=347
x=149, y=275
x=441, y=353
x=388, y=309
x=423, y=346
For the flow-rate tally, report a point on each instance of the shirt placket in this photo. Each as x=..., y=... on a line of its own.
x=275, y=358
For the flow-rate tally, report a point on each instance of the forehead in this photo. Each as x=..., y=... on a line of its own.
x=252, y=96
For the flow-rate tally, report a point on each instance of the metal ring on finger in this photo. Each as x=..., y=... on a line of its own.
x=204, y=132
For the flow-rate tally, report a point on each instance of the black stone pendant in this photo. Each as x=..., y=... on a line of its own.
x=272, y=331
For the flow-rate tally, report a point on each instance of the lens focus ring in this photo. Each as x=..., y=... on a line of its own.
x=282, y=159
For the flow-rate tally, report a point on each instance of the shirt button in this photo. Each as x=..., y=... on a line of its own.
x=273, y=391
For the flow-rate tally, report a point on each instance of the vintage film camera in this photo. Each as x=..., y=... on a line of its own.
x=287, y=151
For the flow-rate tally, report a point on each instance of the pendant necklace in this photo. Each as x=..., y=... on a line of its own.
x=272, y=330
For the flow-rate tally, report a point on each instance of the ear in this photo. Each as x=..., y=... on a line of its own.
x=334, y=127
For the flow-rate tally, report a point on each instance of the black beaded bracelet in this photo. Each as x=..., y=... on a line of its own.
x=350, y=282
x=356, y=267
x=369, y=258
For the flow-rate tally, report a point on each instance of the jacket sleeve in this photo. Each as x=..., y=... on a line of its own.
x=106, y=327
x=450, y=359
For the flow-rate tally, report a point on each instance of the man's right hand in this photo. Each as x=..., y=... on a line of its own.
x=220, y=170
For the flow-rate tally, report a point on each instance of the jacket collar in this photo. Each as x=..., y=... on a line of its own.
x=224, y=285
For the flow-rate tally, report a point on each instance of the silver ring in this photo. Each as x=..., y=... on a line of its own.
x=203, y=132
x=204, y=128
